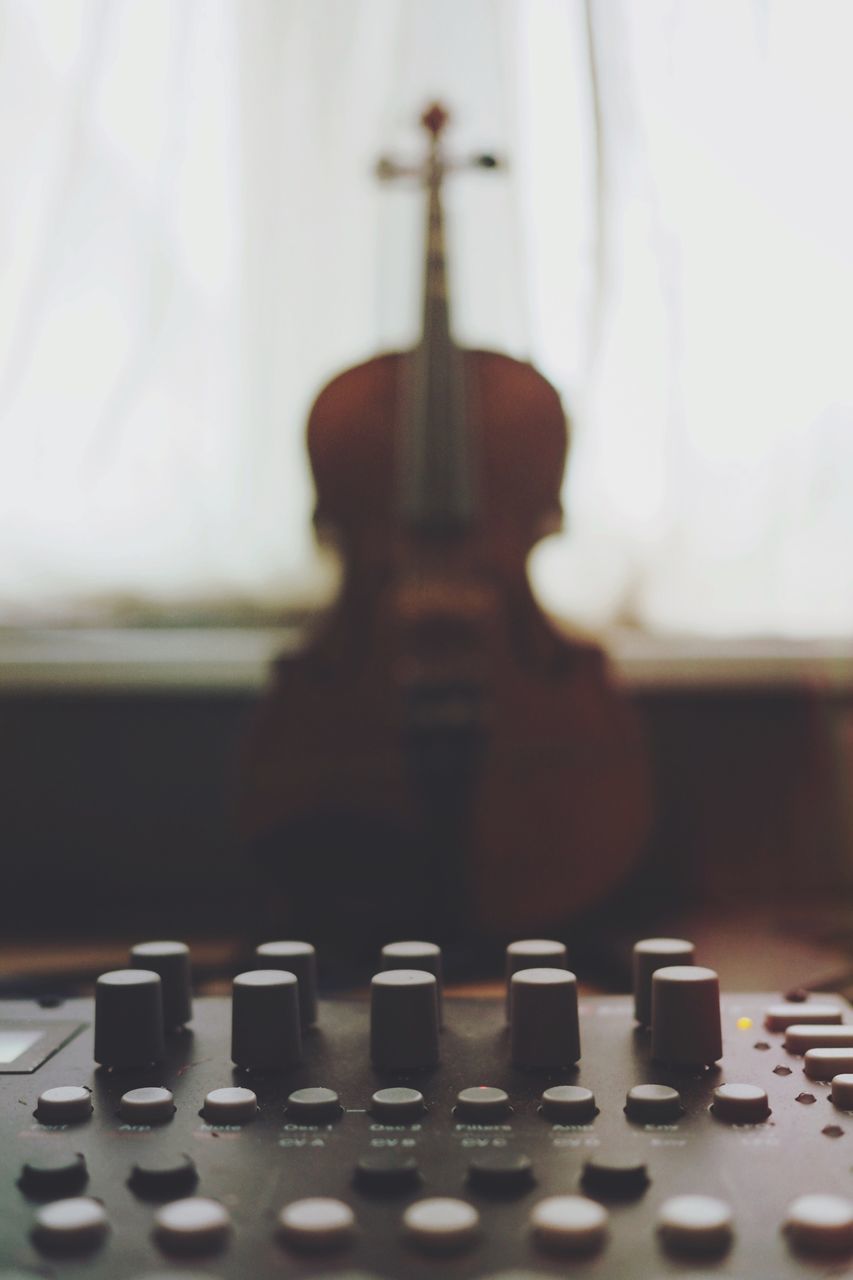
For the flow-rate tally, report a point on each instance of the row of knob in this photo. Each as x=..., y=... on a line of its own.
x=171, y=961
x=274, y=1002
x=137, y=1007
x=571, y=1224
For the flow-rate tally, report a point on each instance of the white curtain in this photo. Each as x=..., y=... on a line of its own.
x=191, y=242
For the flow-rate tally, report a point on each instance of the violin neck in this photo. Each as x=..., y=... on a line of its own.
x=437, y=488
x=436, y=300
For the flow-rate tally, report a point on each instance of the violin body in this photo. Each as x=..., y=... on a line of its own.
x=441, y=757
x=519, y=437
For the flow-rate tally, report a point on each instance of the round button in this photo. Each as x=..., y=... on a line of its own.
x=69, y=1225
x=53, y=1173
x=317, y=1223
x=501, y=1172
x=841, y=1091
x=163, y=1177
x=314, y=1106
x=231, y=1105
x=65, y=1104
x=147, y=1106
x=568, y=1104
x=740, y=1104
x=397, y=1105
x=570, y=1224
x=194, y=1225
x=653, y=1104
x=482, y=1104
x=441, y=1224
x=821, y=1224
x=387, y=1172
x=695, y=1224
x=615, y=1175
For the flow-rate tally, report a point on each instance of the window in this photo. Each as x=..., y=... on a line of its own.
x=191, y=242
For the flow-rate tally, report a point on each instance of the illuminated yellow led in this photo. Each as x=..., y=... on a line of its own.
x=743, y=1024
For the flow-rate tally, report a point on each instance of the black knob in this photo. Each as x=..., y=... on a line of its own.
x=129, y=1018
x=265, y=1032
x=298, y=958
x=172, y=961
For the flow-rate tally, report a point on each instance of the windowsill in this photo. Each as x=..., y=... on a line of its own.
x=231, y=660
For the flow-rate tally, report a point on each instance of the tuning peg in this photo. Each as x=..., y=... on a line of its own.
x=435, y=118
x=388, y=169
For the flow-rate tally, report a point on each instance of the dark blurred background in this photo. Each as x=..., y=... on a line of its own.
x=192, y=242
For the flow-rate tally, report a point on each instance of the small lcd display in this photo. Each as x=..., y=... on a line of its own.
x=15, y=1043
x=25, y=1043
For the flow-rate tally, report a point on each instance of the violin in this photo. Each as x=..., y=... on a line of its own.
x=442, y=758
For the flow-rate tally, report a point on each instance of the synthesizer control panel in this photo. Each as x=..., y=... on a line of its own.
x=269, y=1133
